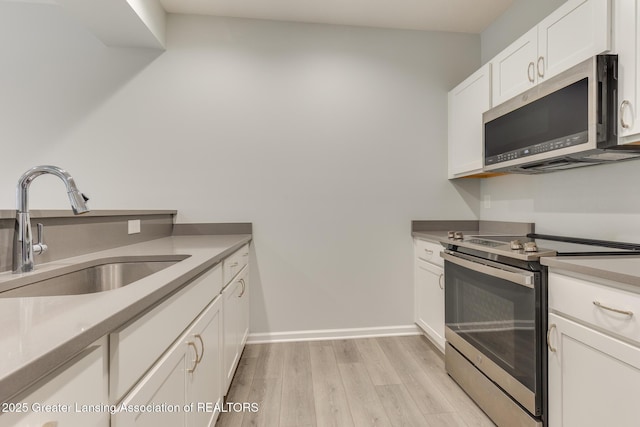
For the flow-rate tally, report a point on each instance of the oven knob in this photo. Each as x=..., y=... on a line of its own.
x=458, y=235
x=450, y=234
x=515, y=244
x=530, y=247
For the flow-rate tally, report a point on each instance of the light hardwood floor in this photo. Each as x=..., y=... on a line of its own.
x=389, y=381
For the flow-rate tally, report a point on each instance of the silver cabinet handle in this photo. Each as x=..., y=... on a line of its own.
x=540, y=61
x=195, y=362
x=551, y=348
x=50, y=424
x=523, y=278
x=440, y=281
x=429, y=251
x=199, y=338
x=531, y=74
x=615, y=310
x=244, y=287
x=233, y=264
x=623, y=106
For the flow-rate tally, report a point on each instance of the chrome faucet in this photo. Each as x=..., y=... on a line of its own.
x=23, y=246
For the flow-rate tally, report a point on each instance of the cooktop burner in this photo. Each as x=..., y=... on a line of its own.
x=569, y=246
x=534, y=246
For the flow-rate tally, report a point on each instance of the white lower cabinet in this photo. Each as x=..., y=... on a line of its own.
x=170, y=367
x=204, y=384
x=429, y=290
x=165, y=384
x=430, y=301
x=593, y=345
x=187, y=376
x=594, y=379
x=71, y=390
x=235, y=298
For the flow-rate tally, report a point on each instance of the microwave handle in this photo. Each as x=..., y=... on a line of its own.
x=523, y=278
x=607, y=101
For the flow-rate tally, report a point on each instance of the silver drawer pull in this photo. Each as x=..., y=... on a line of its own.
x=429, y=251
x=440, y=281
x=199, y=338
x=233, y=264
x=623, y=106
x=195, y=362
x=615, y=310
x=551, y=348
x=540, y=61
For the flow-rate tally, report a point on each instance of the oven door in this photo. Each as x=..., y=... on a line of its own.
x=493, y=317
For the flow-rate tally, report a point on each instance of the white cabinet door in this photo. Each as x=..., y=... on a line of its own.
x=513, y=69
x=467, y=102
x=594, y=379
x=627, y=46
x=573, y=33
x=235, y=299
x=164, y=384
x=230, y=326
x=243, y=317
x=83, y=381
x=204, y=384
x=429, y=301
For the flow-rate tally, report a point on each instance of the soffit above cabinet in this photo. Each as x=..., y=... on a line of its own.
x=141, y=23
x=120, y=23
x=466, y=16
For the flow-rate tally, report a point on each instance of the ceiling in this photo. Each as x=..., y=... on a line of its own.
x=467, y=16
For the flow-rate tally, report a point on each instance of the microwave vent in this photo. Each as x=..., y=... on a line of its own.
x=609, y=156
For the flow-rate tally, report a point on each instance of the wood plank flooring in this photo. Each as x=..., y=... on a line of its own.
x=389, y=381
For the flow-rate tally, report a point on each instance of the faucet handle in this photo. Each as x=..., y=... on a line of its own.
x=40, y=247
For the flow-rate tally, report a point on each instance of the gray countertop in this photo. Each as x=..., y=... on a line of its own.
x=38, y=334
x=67, y=213
x=623, y=269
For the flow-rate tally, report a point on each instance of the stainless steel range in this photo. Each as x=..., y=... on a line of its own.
x=496, y=318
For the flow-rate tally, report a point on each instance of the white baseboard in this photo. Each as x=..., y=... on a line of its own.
x=330, y=334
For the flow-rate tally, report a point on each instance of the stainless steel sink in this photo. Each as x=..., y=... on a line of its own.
x=99, y=277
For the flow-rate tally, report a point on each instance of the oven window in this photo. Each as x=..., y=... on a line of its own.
x=497, y=317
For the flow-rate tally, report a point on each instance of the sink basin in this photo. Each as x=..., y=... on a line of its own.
x=99, y=277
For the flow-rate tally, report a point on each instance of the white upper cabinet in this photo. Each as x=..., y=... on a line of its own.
x=574, y=32
x=467, y=102
x=627, y=46
x=514, y=68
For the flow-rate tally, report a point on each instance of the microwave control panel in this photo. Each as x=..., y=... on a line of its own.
x=543, y=147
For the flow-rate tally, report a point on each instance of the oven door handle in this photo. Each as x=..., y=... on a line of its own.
x=523, y=278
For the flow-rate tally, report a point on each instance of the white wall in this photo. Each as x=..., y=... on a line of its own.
x=329, y=139
x=597, y=202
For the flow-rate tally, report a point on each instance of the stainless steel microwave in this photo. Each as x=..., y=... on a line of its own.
x=567, y=121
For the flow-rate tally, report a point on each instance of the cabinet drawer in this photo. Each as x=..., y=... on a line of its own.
x=235, y=262
x=577, y=298
x=429, y=251
x=136, y=347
